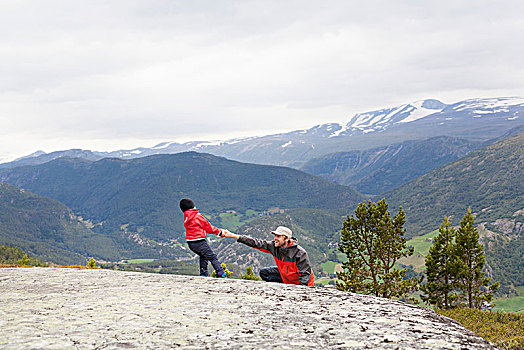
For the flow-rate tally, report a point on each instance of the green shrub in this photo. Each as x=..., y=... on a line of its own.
x=24, y=261
x=504, y=329
x=250, y=275
x=91, y=263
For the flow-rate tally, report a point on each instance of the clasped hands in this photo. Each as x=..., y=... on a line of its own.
x=226, y=233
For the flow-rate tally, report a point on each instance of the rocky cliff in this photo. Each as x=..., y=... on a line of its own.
x=43, y=308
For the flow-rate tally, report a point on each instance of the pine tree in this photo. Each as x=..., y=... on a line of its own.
x=468, y=265
x=373, y=242
x=439, y=268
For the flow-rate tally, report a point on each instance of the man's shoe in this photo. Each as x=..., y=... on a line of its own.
x=224, y=275
x=204, y=275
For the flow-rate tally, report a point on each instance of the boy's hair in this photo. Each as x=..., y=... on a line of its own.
x=186, y=204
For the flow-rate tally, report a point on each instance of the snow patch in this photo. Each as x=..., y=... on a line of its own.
x=342, y=129
x=205, y=143
x=233, y=141
x=163, y=145
x=391, y=114
x=418, y=112
x=286, y=144
x=382, y=118
x=490, y=103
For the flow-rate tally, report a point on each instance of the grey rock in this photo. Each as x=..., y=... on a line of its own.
x=44, y=308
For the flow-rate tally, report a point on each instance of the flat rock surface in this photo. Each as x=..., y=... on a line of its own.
x=45, y=308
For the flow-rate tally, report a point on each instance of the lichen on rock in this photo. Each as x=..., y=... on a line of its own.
x=88, y=309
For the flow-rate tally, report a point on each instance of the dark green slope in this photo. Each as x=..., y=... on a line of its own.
x=47, y=229
x=13, y=256
x=377, y=170
x=490, y=180
x=144, y=192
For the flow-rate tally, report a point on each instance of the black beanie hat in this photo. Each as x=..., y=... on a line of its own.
x=186, y=204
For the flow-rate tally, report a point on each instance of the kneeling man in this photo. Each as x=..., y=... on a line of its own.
x=293, y=265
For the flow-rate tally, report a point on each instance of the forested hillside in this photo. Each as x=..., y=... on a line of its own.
x=14, y=256
x=47, y=229
x=378, y=170
x=490, y=180
x=142, y=195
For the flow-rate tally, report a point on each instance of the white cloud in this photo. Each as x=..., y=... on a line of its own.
x=78, y=73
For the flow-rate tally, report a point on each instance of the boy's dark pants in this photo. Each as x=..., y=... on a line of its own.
x=206, y=254
x=271, y=274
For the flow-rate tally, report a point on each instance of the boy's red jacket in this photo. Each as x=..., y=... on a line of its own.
x=197, y=226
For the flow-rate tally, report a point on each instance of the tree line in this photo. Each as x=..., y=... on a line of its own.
x=373, y=242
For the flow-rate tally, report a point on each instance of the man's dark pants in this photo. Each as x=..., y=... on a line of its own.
x=206, y=254
x=271, y=274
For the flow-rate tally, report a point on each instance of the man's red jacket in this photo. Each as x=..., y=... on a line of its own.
x=292, y=261
x=197, y=226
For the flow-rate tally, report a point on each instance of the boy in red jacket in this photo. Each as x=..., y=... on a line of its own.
x=197, y=228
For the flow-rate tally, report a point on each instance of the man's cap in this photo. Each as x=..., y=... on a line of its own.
x=283, y=231
x=186, y=204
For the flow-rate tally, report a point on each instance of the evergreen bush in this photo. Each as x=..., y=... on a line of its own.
x=249, y=275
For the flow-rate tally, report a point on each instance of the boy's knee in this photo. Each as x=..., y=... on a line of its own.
x=209, y=255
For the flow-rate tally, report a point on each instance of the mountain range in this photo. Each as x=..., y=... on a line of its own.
x=473, y=119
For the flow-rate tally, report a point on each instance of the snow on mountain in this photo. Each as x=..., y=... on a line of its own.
x=421, y=119
x=382, y=119
x=489, y=104
x=477, y=108
x=286, y=144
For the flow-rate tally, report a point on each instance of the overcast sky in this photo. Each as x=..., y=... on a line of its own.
x=106, y=75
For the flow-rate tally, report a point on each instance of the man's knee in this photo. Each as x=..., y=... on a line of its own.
x=270, y=274
x=264, y=273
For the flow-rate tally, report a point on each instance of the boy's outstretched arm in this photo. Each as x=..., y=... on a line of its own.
x=206, y=225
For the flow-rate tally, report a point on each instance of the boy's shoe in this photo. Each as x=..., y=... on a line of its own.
x=224, y=275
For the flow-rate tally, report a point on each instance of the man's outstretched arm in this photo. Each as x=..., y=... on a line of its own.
x=265, y=246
